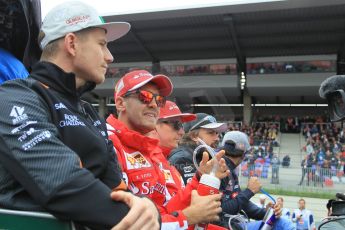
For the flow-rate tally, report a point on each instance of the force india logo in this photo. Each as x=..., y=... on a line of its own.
x=18, y=115
x=136, y=160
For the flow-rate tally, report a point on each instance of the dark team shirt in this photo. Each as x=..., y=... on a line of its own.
x=234, y=199
x=54, y=151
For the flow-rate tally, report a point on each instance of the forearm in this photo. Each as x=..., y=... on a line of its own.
x=233, y=206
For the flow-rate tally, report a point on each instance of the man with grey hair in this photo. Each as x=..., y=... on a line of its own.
x=55, y=155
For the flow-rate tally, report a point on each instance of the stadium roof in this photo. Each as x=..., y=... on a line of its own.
x=275, y=28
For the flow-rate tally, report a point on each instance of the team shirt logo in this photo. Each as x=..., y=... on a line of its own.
x=168, y=177
x=136, y=161
x=18, y=114
x=71, y=120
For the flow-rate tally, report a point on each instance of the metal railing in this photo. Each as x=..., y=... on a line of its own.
x=276, y=176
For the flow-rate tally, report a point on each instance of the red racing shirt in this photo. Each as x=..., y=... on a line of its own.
x=147, y=172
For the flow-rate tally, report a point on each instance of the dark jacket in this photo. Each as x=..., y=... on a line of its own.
x=182, y=159
x=234, y=199
x=54, y=151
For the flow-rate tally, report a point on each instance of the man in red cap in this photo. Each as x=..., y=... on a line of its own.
x=169, y=127
x=138, y=97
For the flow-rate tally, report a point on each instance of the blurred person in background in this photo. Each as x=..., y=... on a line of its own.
x=262, y=201
x=20, y=21
x=302, y=217
x=10, y=67
x=285, y=211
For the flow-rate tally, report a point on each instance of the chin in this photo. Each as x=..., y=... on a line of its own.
x=149, y=128
x=99, y=80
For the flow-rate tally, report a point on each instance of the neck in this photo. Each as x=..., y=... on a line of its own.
x=131, y=126
x=65, y=63
x=236, y=160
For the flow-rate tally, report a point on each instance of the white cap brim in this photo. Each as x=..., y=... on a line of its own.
x=218, y=127
x=115, y=30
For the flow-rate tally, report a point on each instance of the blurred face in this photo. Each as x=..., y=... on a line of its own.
x=170, y=132
x=92, y=56
x=137, y=115
x=301, y=204
x=280, y=201
x=209, y=136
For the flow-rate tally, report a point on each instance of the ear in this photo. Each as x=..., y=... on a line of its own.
x=70, y=42
x=194, y=136
x=120, y=104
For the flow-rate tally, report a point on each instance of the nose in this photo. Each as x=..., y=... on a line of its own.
x=217, y=137
x=153, y=103
x=180, y=131
x=108, y=56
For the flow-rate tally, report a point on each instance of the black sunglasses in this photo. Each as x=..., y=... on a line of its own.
x=177, y=125
x=146, y=97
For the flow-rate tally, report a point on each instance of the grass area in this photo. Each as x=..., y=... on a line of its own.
x=305, y=193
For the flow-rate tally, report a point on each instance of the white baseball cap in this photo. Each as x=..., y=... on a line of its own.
x=73, y=16
x=239, y=138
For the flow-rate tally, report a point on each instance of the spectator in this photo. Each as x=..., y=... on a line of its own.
x=275, y=169
x=303, y=218
x=10, y=67
x=305, y=171
x=55, y=154
x=262, y=201
x=285, y=211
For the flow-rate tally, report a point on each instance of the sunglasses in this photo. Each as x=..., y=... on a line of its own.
x=146, y=97
x=177, y=125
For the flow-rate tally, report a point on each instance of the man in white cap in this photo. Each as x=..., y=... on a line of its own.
x=204, y=129
x=55, y=155
x=236, y=144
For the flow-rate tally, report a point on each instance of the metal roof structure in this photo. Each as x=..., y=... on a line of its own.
x=254, y=30
x=280, y=28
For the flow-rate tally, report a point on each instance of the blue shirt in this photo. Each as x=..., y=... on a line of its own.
x=10, y=67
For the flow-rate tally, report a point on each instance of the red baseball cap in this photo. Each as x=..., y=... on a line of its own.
x=137, y=78
x=170, y=110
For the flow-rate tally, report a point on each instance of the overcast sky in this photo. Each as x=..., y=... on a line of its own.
x=116, y=7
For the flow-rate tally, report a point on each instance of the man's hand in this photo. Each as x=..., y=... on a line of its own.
x=143, y=214
x=277, y=209
x=206, y=165
x=203, y=209
x=254, y=185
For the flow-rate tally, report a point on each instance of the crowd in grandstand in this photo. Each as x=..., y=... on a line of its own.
x=325, y=157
